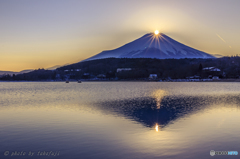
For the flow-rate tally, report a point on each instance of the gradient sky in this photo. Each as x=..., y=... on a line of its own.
x=43, y=33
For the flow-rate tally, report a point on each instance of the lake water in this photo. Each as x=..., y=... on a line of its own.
x=118, y=120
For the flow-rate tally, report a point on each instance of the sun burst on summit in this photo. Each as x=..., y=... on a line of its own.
x=155, y=38
x=156, y=32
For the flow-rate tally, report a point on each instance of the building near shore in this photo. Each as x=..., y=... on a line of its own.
x=152, y=76
x=215, y=78
x=212, y=69
x=124, y=69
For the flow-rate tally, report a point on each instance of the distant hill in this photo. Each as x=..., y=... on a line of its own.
x=153, y=46
x=27, y=71
x=16, y=73
x=137, y=68
x=143, y=67
x=56, y=66
x=218, y=55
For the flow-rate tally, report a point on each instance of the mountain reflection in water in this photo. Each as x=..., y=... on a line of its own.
x=158, y=112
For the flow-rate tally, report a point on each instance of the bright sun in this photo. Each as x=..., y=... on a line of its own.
x=156, y=32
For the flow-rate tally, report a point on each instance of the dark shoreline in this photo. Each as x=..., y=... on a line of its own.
x=174, y=80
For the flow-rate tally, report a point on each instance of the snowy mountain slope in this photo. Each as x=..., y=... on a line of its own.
x=153, y=46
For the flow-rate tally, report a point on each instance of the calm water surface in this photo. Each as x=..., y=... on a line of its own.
x=118, y=119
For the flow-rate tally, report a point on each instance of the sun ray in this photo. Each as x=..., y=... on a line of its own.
x=156, y=40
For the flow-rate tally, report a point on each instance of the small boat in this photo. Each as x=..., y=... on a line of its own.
x=67, y=81
x=79, y=81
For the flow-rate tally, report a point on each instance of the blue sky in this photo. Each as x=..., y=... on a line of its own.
x=43, y=33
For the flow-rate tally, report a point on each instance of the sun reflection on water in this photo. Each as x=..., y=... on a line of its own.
x=158, y=95
x=156, y=127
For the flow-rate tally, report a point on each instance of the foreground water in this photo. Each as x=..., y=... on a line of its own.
x=118, y=119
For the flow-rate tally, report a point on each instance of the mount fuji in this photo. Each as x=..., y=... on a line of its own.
x=158, y=46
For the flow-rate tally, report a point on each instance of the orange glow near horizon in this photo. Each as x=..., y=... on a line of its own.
x=32, y=41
